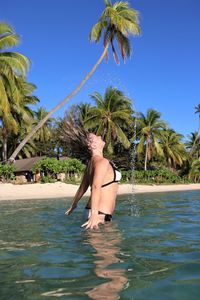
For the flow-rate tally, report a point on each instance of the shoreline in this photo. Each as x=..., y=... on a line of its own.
x=9, y=191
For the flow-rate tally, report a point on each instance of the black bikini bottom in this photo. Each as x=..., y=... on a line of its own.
x=108, y=218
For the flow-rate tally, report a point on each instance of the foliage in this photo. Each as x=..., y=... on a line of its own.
x=150, y=127
x=16, y=93
x=194, y=173
x=151, y=176
x=50, y=167
x=48, y=179
x=110, y=117
x=116, y=23
x=7, y=172
x=172, y=147
x=72, y=165
x=47, y=166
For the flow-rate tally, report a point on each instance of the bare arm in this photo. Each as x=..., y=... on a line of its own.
x=80, y=192
x=100, y=169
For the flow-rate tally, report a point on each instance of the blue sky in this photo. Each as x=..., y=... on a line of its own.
x=163, y=72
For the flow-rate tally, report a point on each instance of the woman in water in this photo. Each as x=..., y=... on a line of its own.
x=103, y=177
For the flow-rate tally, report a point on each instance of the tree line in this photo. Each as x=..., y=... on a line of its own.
x=111, y=115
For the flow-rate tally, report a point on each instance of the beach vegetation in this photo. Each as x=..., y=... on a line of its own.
x=173, y=148
x=194, y=172
x=159, y=176
x=7, y=172
x=50, y=168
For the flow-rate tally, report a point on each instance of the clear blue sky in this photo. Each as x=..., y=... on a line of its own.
x=163, y=72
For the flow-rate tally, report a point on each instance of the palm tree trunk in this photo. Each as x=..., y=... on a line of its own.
x=146, y=156
x=4, y=149
x=4, y=144
x=198, y=133
x=59, y=105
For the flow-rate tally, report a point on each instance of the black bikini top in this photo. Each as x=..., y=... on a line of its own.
x=117, y=175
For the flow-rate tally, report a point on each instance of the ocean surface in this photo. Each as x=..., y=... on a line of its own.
x=151, y=250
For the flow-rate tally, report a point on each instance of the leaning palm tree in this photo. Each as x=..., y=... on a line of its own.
x=149, y=128
x=110, y=117
x=173, y=148
x=117, y=21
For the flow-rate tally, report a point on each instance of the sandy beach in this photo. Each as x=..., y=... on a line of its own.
x=10, y=191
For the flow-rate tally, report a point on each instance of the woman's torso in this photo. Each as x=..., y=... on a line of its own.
x=108, y=190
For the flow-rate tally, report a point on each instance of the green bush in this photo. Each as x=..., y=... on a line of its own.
x=50, y=167
x=151, y=176
x=7, y=172
x=47, y=179
x=72, y=165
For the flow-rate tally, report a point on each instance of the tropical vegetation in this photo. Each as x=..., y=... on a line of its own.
x=139, y=140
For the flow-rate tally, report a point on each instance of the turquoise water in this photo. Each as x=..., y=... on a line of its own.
x=156, y=255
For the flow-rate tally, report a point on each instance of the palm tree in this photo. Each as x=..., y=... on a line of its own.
x=20, y=114
x=84, y=110
x=198, y=112
x=193, y=144
x=44, y=134
x=194, y=172
x=173, y=149
x=149, y=128
x=110, y=117
x=117, y=21
x=13, y=67
x=198, y=132
x=28, y=150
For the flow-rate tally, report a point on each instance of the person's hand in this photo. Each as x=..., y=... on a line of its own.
x=93, y=221
x=70, y=210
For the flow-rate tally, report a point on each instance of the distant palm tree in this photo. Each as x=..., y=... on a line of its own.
x=84, y=111
x=194, y=172
x=28, y=150
x=193, y=143
x=44, y=134
x=198, y=132
x=172, y=147
x=149, y=128
x=110, y=117
x=198, y=112
x=116, y=23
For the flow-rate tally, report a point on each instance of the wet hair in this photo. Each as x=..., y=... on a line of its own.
x=73, y=134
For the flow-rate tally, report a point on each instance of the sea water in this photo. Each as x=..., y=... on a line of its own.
x=156, y=255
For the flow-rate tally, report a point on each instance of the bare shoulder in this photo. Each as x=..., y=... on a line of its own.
x=101, y=162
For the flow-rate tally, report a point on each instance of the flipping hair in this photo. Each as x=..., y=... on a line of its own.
x=75, y=136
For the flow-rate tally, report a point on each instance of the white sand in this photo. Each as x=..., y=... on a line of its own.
x=10, y=191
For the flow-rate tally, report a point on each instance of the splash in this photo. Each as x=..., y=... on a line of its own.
x=134, y=206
